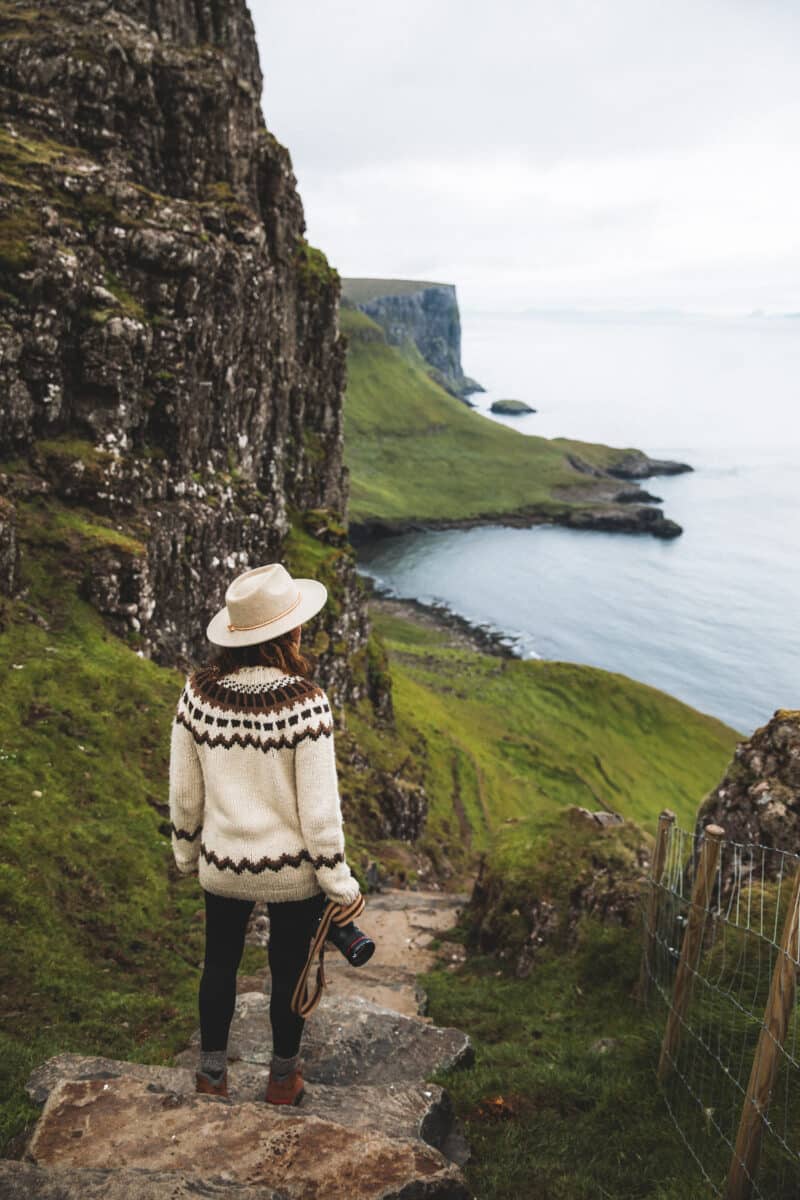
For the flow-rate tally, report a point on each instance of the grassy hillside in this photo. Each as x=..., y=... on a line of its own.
x=101, y=944
x=99, y=949
x=416, y=452
x=562, y=1102
x=102, y=941
x=507, y=738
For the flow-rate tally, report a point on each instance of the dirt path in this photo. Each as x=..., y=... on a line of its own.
x=403, y=923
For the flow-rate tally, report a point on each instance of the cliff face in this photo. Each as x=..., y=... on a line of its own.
x=169, y=346
x=423, y=313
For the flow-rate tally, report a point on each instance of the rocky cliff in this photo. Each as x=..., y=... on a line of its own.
x=169, y=346
x=425, y=314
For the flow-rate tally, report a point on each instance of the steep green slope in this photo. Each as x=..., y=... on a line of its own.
x=415, y=452
x=101, y=943
x=509, y=738
x=101, y=946
x=98, y=946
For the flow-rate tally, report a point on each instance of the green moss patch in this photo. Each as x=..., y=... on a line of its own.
x=315, y=273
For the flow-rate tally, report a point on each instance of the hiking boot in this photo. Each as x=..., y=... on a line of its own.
x=285, y=1091
x=204, y=1085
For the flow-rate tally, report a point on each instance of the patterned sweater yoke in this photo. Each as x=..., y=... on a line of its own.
x=254, y=798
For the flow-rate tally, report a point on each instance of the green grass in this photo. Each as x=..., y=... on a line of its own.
x=546, y=1115
x=99, y=949
x=509, y=738
x=314, y=271
x=416, y=452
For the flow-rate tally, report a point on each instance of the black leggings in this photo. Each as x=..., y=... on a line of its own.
x=292, y=924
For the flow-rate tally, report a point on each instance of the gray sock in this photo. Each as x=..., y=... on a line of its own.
x=282, y=1068
x=213, y=1063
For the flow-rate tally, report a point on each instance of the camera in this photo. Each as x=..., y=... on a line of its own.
x=355, y=945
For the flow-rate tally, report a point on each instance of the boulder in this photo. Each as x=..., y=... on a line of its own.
x=92, y=1123
x=24, y=1181
x=347, y=1041
x=410, y=1110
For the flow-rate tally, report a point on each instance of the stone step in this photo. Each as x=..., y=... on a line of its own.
x=24, y=1181
x=411, y=1110
x=90, y=1123
x=347, y=1040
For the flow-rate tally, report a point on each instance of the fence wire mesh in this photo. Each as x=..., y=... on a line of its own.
x=708, y=1068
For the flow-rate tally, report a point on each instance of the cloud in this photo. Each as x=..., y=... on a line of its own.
x=611, y=151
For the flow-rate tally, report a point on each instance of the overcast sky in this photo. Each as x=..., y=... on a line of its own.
x=547, y=153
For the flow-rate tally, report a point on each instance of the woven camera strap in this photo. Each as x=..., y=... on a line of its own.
x=336, y=914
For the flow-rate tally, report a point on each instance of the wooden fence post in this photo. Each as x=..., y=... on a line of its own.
x=690, y=949
x=666, y=820
x=780, y=1004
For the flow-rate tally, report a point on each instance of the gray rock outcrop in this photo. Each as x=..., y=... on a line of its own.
x=91, y=1123
x=169, y=345
x=757, y=802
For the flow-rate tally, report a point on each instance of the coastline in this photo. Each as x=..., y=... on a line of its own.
x=598, y=503
x=607, y=519
x=440, y=617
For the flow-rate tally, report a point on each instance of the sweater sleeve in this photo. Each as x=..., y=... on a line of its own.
x=186, y=799
x=320, y=813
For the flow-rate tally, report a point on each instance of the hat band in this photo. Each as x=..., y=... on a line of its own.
x=260, y=624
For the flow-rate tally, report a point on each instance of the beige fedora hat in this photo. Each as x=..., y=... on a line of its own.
x=264, y=603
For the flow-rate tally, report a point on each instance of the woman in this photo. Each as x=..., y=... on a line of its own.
x=255, y=809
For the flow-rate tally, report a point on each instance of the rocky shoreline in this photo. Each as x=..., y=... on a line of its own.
x=463, y=633
x=641, y=519
x=612, y=509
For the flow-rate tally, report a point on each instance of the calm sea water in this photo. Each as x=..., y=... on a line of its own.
x=712, y=616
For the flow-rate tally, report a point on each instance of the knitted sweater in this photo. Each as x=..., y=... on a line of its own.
x=253, y=793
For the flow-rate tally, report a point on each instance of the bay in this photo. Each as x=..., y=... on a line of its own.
x=711, y=616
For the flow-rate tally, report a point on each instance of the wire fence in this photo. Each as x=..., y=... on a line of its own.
x=721, y=955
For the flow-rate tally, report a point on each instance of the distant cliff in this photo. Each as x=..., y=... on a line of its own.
x=423, y=313
x=169, y=345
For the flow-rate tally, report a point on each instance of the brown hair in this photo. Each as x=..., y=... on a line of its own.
x=282, y=652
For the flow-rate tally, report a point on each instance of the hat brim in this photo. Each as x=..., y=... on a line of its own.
x=313, y=596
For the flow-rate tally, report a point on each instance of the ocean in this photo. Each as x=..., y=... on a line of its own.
x=713, y=616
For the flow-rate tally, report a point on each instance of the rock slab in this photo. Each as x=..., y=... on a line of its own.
x=348, y=1041
x=25, y=1181
x=92, y=1123
x=422, y=1110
